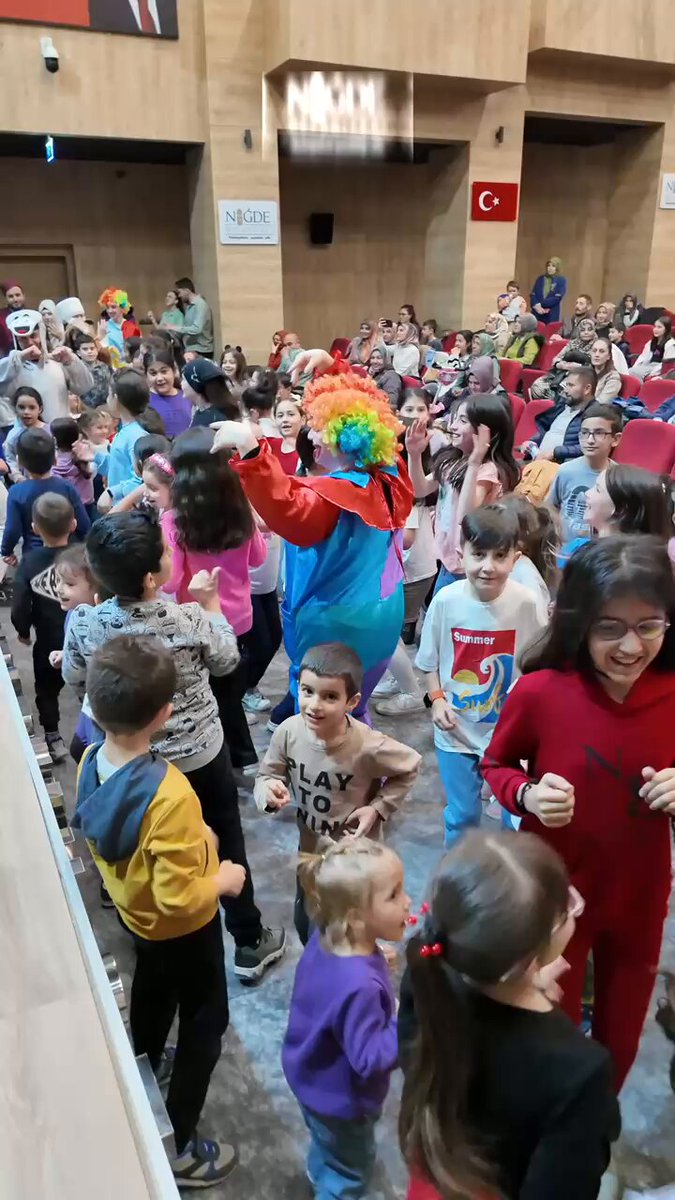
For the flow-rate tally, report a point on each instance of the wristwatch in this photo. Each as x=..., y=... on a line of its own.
x=520, y=797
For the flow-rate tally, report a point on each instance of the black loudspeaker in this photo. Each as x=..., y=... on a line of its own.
x=321, y=228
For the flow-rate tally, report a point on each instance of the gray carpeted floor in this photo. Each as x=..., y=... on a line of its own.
x=248, y=1100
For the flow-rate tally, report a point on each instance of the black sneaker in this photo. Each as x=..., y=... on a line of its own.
x=203, y=1163
x=106, y=899
x=57, y=747
x=251, y=962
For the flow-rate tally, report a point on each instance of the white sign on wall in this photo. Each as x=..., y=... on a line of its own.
x=248, y=222
x=668, y=191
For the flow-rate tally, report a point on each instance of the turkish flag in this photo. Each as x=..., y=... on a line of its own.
x=494, y=201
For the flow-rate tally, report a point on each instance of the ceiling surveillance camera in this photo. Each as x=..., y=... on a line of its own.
x=50, y=54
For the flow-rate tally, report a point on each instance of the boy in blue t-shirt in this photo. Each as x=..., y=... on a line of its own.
x=130, y=399
x=36, y=455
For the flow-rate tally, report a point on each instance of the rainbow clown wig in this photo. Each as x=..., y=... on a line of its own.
x=113, y=295
x=354, y=418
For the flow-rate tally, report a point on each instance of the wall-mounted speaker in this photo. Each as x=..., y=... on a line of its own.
x=321, y=228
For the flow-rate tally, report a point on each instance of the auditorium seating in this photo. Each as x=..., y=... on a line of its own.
x=517, y=407
x=340, y=345
x=637, y=337
x=510, y=373
x=526, y=427
x=449, y=341
x=654, y=391
x=549, y=352
x=549, y=330
x=630, y=387
x=411, y=381
x=648, y=444
x=529, y=376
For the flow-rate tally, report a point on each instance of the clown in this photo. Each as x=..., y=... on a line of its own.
x=345, y=582
x=116, y=327
x=29, y=364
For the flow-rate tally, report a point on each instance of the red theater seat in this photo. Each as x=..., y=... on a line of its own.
x=549, y=330
x=637, y=337
x=548, y=352
x=517, y=407
x=510, y=373
x=449, y=341
x=526, y=428
x=654, y=391
x=411, y=381
x=630, y=387
x=648, y=444
x=340, y=345
x=529, y=376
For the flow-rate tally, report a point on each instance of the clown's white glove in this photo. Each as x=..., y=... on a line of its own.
x=234, y=435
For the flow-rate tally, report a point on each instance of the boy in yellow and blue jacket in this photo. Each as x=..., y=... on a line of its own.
x=159, y=863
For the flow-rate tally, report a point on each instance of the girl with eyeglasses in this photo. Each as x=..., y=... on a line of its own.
x=593, y=719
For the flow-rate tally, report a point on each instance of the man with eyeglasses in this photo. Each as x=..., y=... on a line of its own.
x=599, y=434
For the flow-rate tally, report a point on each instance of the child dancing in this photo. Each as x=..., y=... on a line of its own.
x=592, y=718
x=340, y=1047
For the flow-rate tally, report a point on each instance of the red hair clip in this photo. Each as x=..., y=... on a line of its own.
x=412, y=919
x=431, y=951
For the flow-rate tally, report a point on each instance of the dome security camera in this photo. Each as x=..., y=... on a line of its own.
x=50, y=55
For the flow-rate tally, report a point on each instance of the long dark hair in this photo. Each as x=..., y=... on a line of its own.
x=494, y=411
x=211, y=511
x=597, y=573
x=495, y=900
x=658, y=345
x=642, y=501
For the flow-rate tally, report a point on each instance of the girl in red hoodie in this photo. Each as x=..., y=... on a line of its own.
x=593, y=717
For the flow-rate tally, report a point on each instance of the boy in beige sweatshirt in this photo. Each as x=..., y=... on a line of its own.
x=344, y=777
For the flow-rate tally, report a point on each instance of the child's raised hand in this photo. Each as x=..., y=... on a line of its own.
x=230, y=878
x=362, y=821
x=659, y=789
x=481, y=445
x=204, y=586
x=443, y=716
x=277, y=794
x=233, y=435
x=551, y=800
x=417, y=437
x=56, y=659
x=311, y=360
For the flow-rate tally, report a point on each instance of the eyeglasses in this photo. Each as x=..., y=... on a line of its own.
x=613, y=630
x=586, y=434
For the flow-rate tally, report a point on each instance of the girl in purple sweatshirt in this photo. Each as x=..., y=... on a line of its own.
x=340, y=1046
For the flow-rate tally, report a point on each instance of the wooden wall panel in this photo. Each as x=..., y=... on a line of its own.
x=108, y=85
x=484, y=40
x=128, y=224
x=376, y=261
x=637, y=30
x=564, y=211
x=631, y=210
x=661, y=274
x=581, y=87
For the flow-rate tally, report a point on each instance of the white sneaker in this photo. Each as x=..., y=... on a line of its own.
x=254, y=701
x=386, y=687
x=251, y=717
x=399, y=705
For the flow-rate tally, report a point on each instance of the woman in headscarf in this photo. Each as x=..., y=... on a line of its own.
x=363, y=345
x=629, y=311
x=54, y=329
x=547, y=293
x=526, y=342
x=482, y=377
x=604, y=318
x=406, y=352
x=497, y=327
x=384, y=375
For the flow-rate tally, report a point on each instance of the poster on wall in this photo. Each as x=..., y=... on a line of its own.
x=248, y=222
x=152, y=18
x=667, y=191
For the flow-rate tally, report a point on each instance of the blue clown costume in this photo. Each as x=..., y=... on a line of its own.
x=344, y=568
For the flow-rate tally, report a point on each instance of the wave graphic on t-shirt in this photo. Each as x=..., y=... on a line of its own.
x=481, y=699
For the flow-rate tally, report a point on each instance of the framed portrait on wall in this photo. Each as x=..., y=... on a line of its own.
x=150, y=18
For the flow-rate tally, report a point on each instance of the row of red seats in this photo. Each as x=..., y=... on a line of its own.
x=652, y=392
x=648, y=444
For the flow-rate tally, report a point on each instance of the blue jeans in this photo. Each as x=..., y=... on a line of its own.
x=462, y=783
x=341, y=1155
x=445, y=577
